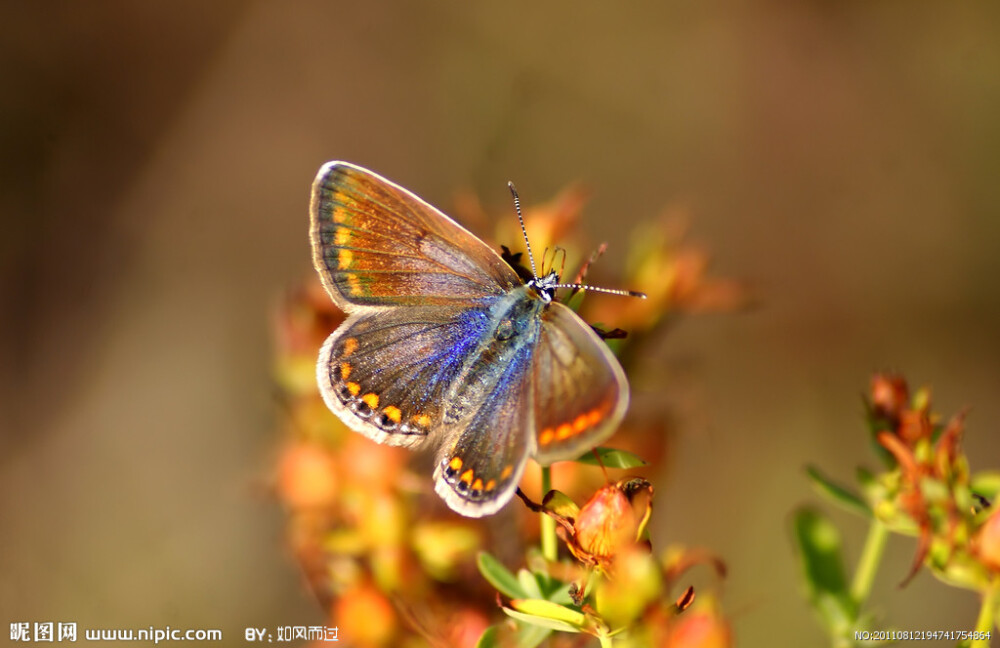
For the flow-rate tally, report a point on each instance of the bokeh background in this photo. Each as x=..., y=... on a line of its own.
x=841, y=157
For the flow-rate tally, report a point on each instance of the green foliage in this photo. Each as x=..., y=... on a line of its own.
x=499, y=576
x=611, y=458
x=837, y=494
x=820, y=551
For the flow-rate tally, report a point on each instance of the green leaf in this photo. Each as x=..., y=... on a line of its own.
x=560, y=503
x=837, y=494
x=576, y=301
x=499, y=576
x=866, y=478
x=612, y=458
x=529, y=583
x=561, y=593
x=541, y=621
x=530, y=636
x=820, y=551
x=489, y=638
x=550, y=610
x=548, y=586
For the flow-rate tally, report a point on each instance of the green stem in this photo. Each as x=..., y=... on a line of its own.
x=984, y=624
x=550, y=550
x=868, y=564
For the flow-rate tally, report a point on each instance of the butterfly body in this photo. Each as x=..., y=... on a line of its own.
x=508, y=337
x=446, y=346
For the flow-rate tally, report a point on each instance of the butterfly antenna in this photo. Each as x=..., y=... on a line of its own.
x=520, y=219
x=610, y=291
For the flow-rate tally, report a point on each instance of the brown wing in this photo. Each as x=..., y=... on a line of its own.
x=376, y=244
x=385, y=373
x=580, y=390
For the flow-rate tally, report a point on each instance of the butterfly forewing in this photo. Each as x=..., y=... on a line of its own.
x=580, y=393
x=375, y=243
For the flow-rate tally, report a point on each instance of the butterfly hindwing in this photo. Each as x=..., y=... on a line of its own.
x=386, y=372
x=580, y=393
x=377, y=244
x=483, y=456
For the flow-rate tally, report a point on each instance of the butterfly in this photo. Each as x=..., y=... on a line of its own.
x=446, y=347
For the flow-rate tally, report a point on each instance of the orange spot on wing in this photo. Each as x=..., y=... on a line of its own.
x=594, y=417
x=345, y=370
x=580, y=424
x=344, y=258
x=350, y=346
x=467, y=476
x=477, y=485
x=393, y=413
x=565, y=431
x=490, y=485
x=422, y=420
x=371, y=400
x=505, y=473
x=342, y=235
x=455, y=463
x=353, y=284
x=545, y=438
x=354, y=388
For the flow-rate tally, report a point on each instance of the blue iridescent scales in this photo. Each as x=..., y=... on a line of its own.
x=445, y=347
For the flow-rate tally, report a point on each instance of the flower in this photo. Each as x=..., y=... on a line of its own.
x=608, y=524
x=366, y=616
x=307, y=476
x=890, y=396
x=928, y=491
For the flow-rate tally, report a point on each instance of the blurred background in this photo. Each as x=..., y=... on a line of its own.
x=840, y=157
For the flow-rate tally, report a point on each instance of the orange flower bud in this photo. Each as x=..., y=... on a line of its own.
x=988, y=541
x=699, y=629
x=466, y=626
x=307, y=476
x=606, y=523
x=365, y=617
x=890, y=395
x=371, y=466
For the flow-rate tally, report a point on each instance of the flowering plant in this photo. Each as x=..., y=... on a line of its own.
x=395, y=567
x=926, y=490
